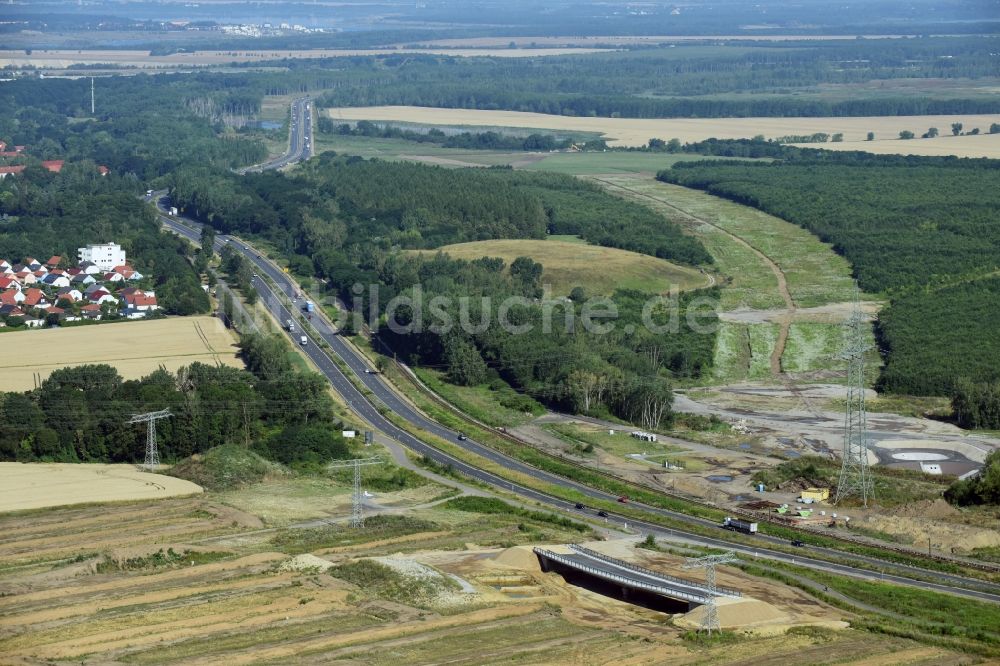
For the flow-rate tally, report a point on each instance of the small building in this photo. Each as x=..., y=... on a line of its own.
x=55, y=166
x=105, y=256
x=816, y=494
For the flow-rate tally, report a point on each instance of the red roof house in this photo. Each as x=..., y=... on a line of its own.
x=55, y=166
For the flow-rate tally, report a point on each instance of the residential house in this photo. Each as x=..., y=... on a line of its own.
x=55, y=280
x=5, y=266
x=136, y=299
x=55, y=166
x=9, y=283
x=10, y=310
x=11, y=297
x=25, y=277
x=83, y=280
x=32, y=263
x=53, y=262
x=8, y=170
x=89, y=267
x=70, y=294
x=113, y=277
x=34, y=322
x=101, y=296
x=128, y=272
x=91, y=311
x=35, y=298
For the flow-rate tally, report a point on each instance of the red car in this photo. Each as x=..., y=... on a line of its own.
x=623, y=499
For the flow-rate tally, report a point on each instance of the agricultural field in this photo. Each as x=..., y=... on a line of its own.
x=35, y=486
x=982, y=145
x=638, y=131
x=568, y=264
x=134, y=348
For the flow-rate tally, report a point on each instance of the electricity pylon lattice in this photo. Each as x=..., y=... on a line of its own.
x=708, y=563
x=855, y=477
x=152, y=460
x=357, y=508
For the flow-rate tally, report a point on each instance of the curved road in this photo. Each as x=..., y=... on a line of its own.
x=389, y=399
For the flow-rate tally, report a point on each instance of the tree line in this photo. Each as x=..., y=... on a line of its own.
x=79, y=414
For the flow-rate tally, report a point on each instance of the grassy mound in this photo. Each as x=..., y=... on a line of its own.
x=225, y=467
x=599, y=270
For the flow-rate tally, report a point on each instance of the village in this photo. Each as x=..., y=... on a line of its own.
x=100, y=285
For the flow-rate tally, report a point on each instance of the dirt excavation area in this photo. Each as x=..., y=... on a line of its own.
x=194, y=581
x=39, y=485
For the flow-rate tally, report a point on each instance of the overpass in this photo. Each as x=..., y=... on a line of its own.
x=628, y=581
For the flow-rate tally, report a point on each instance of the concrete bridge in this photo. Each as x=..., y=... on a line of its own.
x=627, y=581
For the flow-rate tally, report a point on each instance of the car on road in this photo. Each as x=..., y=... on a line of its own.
x=579, y=505
x=303, y=340
x=602, y=514
x=462, y=437
x=623, y=499
x=798, y=543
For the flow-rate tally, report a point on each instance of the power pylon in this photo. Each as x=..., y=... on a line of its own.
x=855, y=478
x=708, y=563
x=357, y=508
x=152, y=460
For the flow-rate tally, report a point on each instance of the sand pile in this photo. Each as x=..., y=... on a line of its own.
x=937, y=509
x=518, y=557
x=736, y=614
x=943, y=535
x=305, y=563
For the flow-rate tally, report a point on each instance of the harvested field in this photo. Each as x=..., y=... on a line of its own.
x=60, y=59
x=37, y=485
x=981, y=145
x=134, y=348
x=629, y=40
x=638, y=131
x=569, y=264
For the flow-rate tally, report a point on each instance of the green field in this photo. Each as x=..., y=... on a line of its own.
x=813, y=346
x=580, y=164
x=743, y=351
x=599, y=270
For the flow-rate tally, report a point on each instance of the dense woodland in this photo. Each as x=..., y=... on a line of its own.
x=79, y=414
x=923, y=231
x=626, y=373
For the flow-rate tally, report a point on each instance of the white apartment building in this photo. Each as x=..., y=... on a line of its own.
x=105, y=256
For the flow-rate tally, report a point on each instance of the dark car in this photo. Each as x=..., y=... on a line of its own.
x=623, y=499
x=462, y=437
x=797, y=543
x=579, y=505
x=602, y=514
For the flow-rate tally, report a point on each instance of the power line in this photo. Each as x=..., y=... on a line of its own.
x=357, y=508
x=708, y=563
x=855, y=477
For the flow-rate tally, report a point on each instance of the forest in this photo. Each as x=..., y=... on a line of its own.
x=686, y=81
x=924, y=232
x=627, y=371
x=79, y=413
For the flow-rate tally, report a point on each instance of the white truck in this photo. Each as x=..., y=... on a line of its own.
x=289, y=325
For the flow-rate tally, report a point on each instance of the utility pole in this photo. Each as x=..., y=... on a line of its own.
x=357, y=508
x=855, y=477
x=708, y=563
x=152, y=460
x=93, y=106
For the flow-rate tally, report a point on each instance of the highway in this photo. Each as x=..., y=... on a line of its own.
x=387, y=398
x=300, y=139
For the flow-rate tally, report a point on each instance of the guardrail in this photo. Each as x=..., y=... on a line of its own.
x=720, y=591
x=623, y=580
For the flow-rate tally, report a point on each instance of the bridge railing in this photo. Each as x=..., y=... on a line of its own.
x=622, y=579
x=720, y=591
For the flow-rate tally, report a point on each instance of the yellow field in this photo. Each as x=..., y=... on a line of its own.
x=638, y=131
x=38, y=485
x=135, y=348
x=628, y=40
x=599, y=270
x=55, y=58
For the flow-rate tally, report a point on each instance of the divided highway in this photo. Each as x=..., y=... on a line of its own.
x=300, y=139
x=387, y=398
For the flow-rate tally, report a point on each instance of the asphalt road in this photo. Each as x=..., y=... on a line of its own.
x=300, y=139
x=389, y=400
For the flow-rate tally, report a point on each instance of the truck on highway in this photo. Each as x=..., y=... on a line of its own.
x=737, y=525
x=309, y=306
x=173, y=210
x=289, y=325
